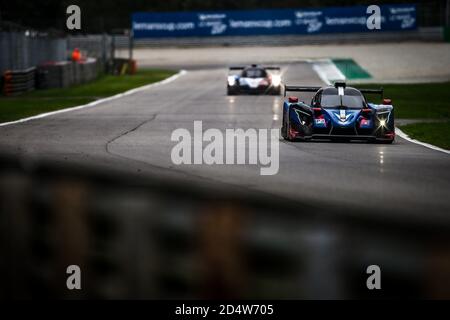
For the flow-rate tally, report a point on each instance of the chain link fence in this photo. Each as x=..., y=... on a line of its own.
x=96, y=45
x=22, y=50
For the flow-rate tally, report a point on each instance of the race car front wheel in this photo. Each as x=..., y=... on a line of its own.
x=276, y=92
x=385, y=141
x=286, y=135
x=231, y=91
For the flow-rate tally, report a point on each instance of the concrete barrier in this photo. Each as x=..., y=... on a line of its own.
x=63, y=74
x=16, y=82
x=432, y=34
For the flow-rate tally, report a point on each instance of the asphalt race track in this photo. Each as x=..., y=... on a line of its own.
x=132, y=134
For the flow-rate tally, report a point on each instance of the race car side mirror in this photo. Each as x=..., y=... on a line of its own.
x=387, y=101
x=293, y=99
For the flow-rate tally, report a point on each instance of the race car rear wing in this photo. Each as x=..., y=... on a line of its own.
x=254, y=65
x=315, y=89
x=372, y=91
x=236, y=68
x=338, y=84
x=300, y=89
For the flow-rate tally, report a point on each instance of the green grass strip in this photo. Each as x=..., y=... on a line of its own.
x=351, y=69
x=416, y=101
x=437, y=134
x=41, y=101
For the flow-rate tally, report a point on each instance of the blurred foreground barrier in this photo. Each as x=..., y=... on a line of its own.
x=135, y=237
x=18, y=81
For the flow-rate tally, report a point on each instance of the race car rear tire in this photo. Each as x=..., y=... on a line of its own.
x=231, y=92
x=276, y=92
x=283, y=126
x=286, y=133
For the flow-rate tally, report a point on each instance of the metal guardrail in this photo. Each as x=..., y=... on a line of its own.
x=19, y=81
x=422, y=34
x=137, y=237
x=100, y=45
x=62, y=74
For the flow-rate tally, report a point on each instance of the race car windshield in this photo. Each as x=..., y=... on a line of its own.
x=351, y=99
x=254, y=73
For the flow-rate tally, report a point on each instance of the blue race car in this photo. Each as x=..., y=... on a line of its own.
x=338, y=112
x=254, y=79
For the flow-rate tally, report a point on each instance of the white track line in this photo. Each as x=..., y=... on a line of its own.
x=96, y=102
x=403, y=135
x=327, y=70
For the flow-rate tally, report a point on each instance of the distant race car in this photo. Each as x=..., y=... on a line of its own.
x=338, y=112
x=254, y=79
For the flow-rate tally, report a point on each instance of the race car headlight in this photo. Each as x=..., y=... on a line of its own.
x=231, y=81
x=276, y=80
x=383, y=118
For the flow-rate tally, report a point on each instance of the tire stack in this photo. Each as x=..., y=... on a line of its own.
x=16, y=82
